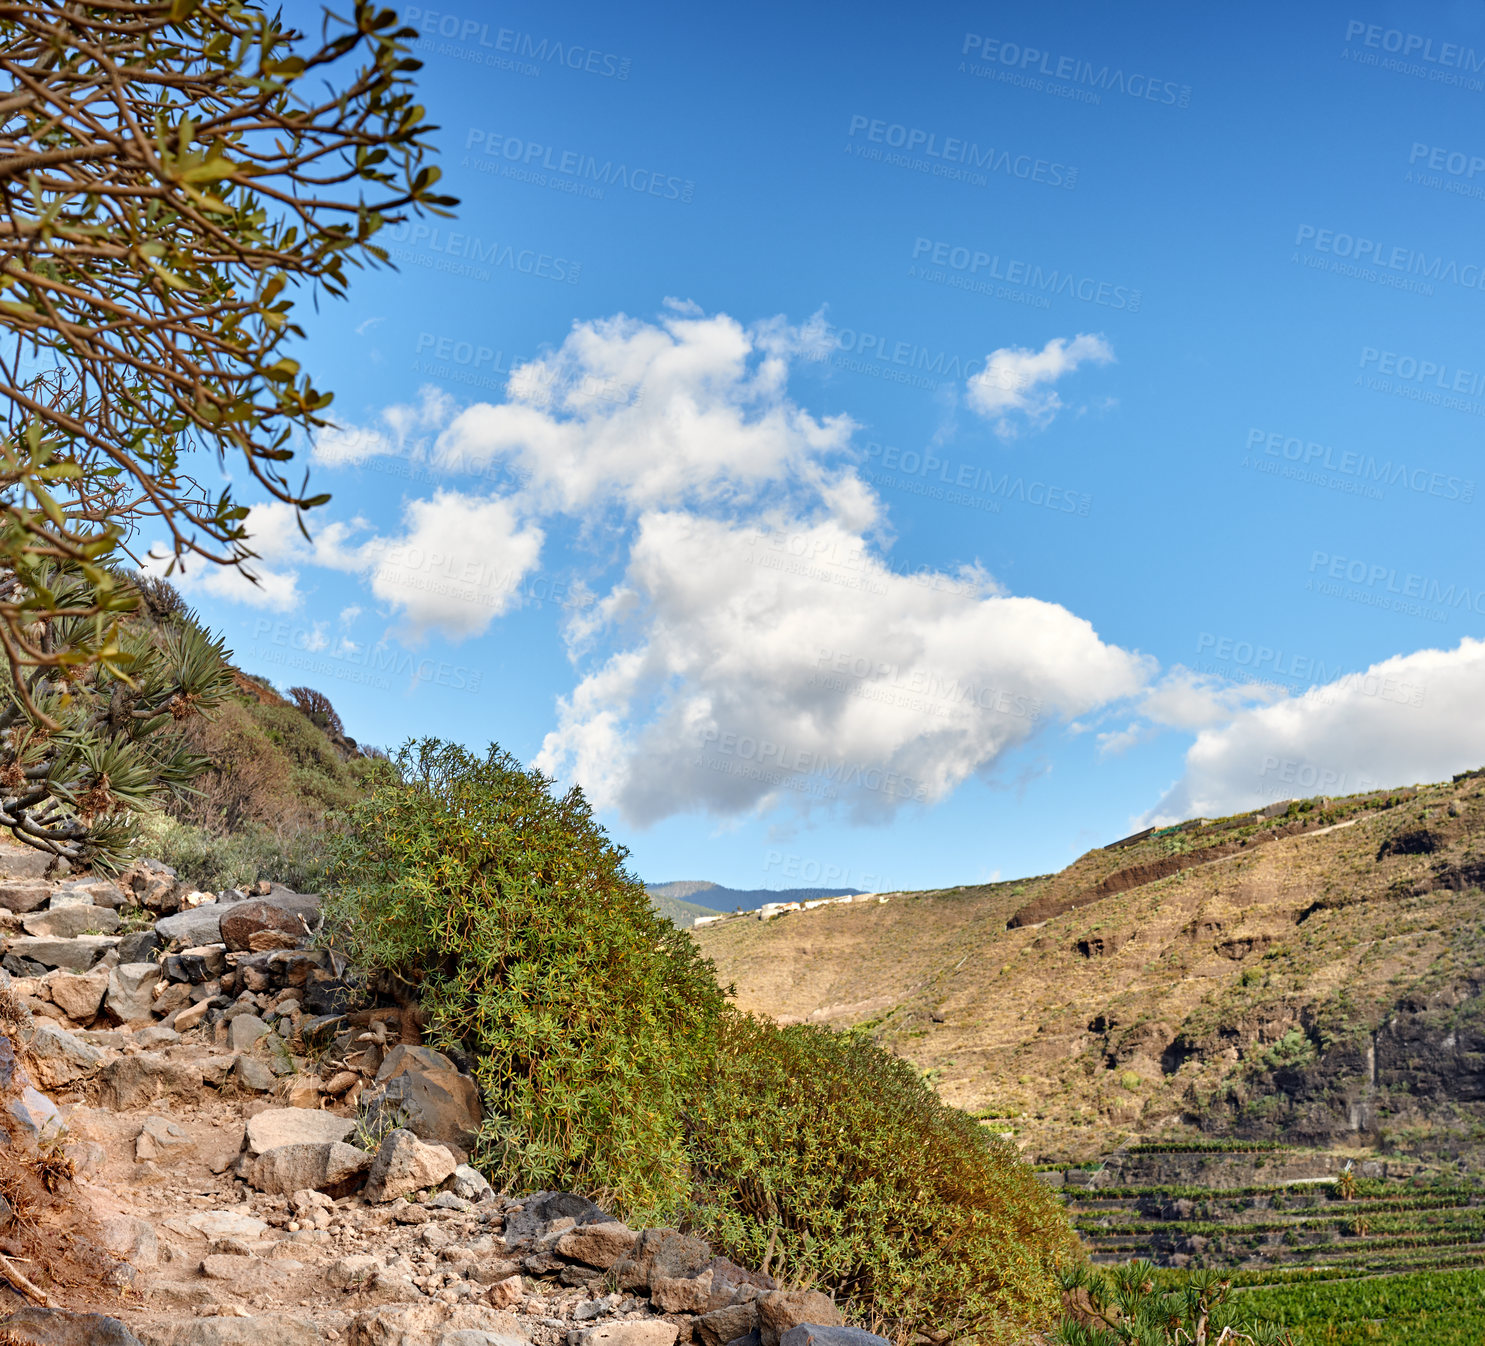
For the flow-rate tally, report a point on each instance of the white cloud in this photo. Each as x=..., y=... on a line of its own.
x=646, y=415
x=1189, y=701
x=273, y=534
x=403, y=430
x=1411, y=718
x=1014, y=382
x=459, y=563
x=785, y=662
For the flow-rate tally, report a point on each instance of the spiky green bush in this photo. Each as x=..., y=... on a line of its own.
x=611, y=1063
x=831, y=1159
x=532, y=949
x=1127, y=1306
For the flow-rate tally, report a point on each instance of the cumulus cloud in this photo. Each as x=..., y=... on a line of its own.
x=459, y=562
x=402, y=430
x=1190, y=701
x=785, y=662
x=270, y=580
x=1411, y=718
x=689, y=410
x=1014, y=388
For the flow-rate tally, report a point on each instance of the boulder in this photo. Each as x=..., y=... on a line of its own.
x=57, y=1057
x=597, y=1245
x=131, y=989
x=154, y=885
x=35, y=1114
x=818, y=1334
x=507, y=1292
x=77, y=954
x=241, y=921
x=326, y=1166
x=139, y=946
x=192, y=927
x=244, y=1030
x=295, y=1126
x=434, y=1324
x=353, y=1272
x=137, y=1081
x=683, y=1294
x=424, y=1091
x=35, y=1326
x=404, y=1164
x=660, y=1254
x=469, y=1183
x=21, y=895
x=78, y=995
x=253, y=1075
x=781, y=1310
x=92, y=892
x=71, y=921
x=192, y=1015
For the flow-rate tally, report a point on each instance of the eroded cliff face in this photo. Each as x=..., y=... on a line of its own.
x=1413, y=1079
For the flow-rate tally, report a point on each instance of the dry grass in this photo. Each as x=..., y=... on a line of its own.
x=1023, y=1024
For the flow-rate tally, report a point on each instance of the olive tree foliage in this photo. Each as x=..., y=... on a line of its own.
x=174, y=174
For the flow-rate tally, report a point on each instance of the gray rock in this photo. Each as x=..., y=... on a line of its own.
x=140, y=946
x=816, y=1334
x=423, y=1090
x=253, y=1075
x=195, y=925
x=95, y=892
x=78, y=954
x=244, y=1030
x=427, y=1324
x=70, y=922
x=404, y=1164
x=448, y=1201
x=242, y=920
x=226, y=1224
x=34, y=1113
x=159, y=1136
x=57, y=1057
x=21, y=895
x=635, y=1332
x=470, y=1184
x=329, y=1167
x=131, y=991
x=295, y=1126
x=156, y=1035
x=61, y=1327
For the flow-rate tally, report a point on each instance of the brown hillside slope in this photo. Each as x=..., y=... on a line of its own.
x=1326, y=985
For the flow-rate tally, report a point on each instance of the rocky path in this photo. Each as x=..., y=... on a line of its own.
x=263, y=1164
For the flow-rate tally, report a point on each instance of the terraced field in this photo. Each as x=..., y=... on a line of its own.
x=1394, y=1257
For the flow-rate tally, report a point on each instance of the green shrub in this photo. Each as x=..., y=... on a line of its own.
x=234, y=860
x=829, y=1158
x=589, y=1017
x=611, y=1063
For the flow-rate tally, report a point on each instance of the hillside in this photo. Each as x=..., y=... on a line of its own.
x=1315, y=976
x=713, y=897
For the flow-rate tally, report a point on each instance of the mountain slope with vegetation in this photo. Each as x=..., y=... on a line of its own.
x=1316, y=976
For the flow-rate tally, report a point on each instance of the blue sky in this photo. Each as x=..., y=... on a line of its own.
x=938, y=442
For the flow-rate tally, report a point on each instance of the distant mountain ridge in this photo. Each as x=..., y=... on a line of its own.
x=698, y=892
